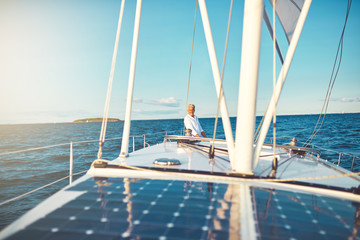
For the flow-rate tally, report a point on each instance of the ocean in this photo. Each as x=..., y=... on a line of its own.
x=24, y=171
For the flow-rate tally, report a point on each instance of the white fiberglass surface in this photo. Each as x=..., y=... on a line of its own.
x=189, y=158
x=306, y=169
x=299, y=168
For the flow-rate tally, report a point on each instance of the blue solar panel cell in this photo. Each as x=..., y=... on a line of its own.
x=117, y=208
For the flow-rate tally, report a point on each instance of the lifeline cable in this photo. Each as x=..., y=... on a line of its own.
x=37, y=189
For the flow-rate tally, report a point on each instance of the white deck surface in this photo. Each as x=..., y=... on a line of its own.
x=295, y=167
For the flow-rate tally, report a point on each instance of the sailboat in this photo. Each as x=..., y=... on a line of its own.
x=204, y=188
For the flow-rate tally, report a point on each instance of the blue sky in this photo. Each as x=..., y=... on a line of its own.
x=55, y=59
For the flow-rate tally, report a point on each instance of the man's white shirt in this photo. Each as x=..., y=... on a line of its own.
x=193, y=124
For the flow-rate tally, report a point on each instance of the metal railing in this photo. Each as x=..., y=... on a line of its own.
x=71, y=144
x=144, y=144
x=145, y=137
x=328, y=154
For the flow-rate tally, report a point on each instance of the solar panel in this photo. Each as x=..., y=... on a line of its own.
x=116, y=208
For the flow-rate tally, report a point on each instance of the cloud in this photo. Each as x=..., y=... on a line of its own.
x=357, y=99
x=346, y=100
x=167, y=102
x=137, y=100
x=156, y=112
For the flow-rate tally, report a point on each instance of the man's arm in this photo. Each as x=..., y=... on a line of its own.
x=202, y=133
x=200, y=128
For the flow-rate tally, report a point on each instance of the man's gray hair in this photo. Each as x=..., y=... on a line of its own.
x=192, y=105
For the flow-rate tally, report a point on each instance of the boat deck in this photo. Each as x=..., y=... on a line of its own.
x=131, y=198
x=195, y=157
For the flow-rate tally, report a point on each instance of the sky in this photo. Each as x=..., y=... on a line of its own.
x=55, y=60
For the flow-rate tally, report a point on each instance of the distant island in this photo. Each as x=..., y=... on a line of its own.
x=85, y=120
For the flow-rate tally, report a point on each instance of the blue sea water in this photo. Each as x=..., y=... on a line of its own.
x=25, y=171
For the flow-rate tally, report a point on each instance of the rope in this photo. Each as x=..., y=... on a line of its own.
x=221, y=80
x=258, y=129
x=192, y=50
x=228, y=178
x=37, y=189
x=274, y=166
x=332, y=80
x=111, y=78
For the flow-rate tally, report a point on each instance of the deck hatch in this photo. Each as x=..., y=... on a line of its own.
x=166, y=162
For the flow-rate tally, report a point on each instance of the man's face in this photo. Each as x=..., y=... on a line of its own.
x=191, y=110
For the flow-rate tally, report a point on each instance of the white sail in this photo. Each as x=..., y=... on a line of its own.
x=288, y=12
x=270, y=29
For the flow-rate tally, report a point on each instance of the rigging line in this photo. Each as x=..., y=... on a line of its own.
x=267, y=169
x=333, y=77
x=326, y=101
x=222, y=77
x=258, y=128
x=269, y=27
x=111, y=78
x=189, y=145
x=221, y=178
x=192, y=50
x=274, y=165
x=273, y=35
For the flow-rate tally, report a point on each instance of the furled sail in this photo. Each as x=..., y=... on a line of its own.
x=288, y=12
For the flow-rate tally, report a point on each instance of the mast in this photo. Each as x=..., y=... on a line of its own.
x=249, y=69
x=126, y=131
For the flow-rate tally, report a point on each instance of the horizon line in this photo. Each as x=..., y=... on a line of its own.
x=280, y=115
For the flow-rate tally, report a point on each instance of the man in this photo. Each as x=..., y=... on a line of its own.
x=192, y=122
